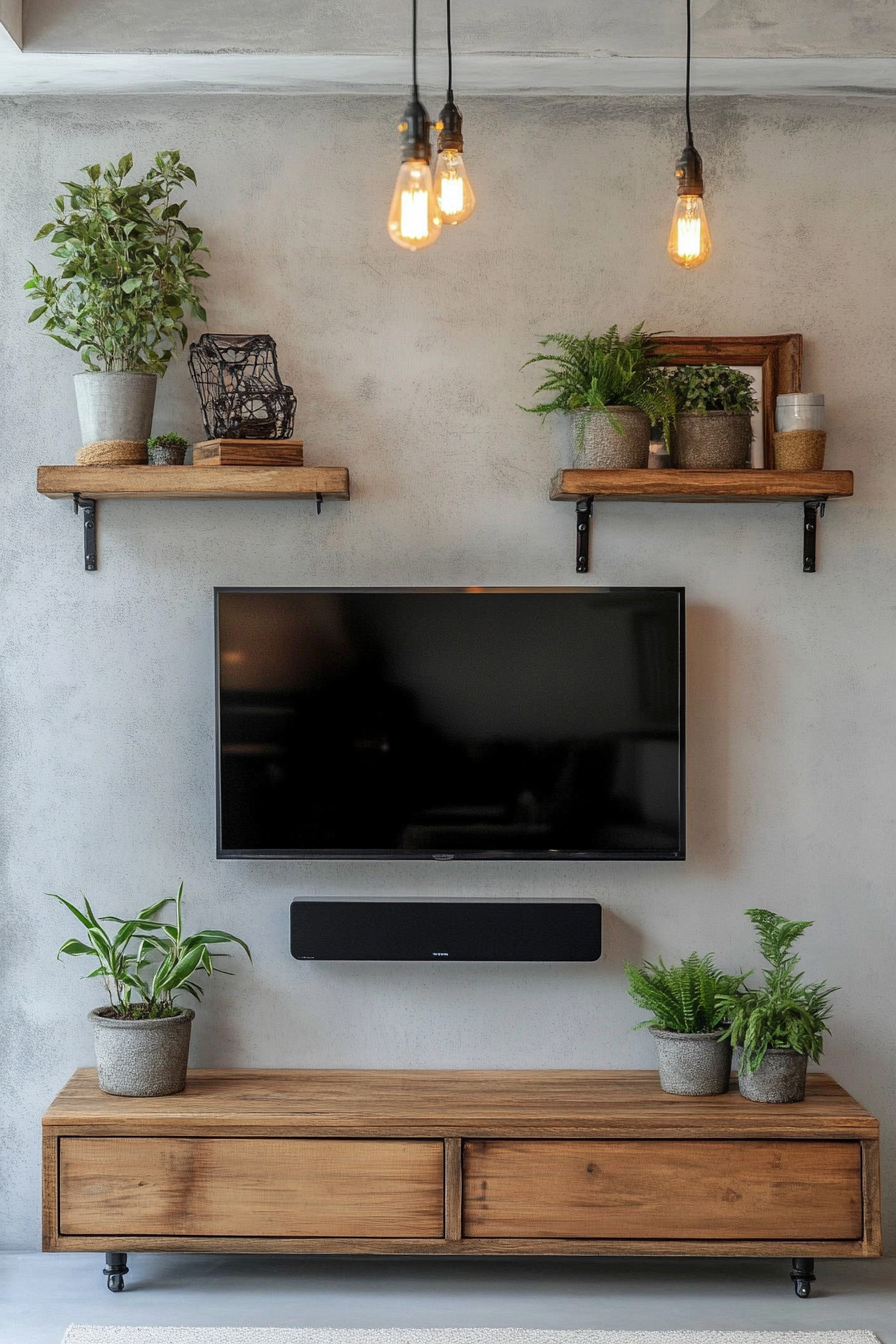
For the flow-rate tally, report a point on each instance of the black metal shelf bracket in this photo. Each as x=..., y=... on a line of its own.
x=813, y=509
x=584, y=509
x=320, y=499
x=88, y=508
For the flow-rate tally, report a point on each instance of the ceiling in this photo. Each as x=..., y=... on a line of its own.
x=506, y=46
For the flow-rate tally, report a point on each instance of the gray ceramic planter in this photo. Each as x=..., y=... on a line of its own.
x=115, y=406
x=713, y=440
x=141, y=1059
x=597, y=443
x=697, y=1065
x=781, y=1077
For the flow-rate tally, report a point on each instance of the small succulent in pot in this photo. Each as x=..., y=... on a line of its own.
x=781, y=1026
x=688, y=1007
x=612, y=389
x=713, y=406
x=142, y=1037
x=167, y=450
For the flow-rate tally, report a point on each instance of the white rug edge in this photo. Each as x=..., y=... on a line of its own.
x=150, y=1334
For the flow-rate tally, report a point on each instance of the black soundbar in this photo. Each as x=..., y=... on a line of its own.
x=445, y=930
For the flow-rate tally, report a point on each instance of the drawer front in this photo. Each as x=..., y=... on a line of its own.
x=657, y=1189
x=251, y=1187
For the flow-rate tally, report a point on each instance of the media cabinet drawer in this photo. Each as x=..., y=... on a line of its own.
x=251, y=1187
x=661, y=1190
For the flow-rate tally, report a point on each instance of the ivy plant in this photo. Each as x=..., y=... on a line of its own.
x=711, y=387
x=129, y=267
x=147, y=961
x=786, y=1012
x=597, y=372
x=690, y=997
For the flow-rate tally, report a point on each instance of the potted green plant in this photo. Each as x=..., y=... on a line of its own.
x=167, y=450
x=779, y=1027
x=713, y=406
x=612, y=390
x=142, y=1037
x=687, y=1022
x=130, y=265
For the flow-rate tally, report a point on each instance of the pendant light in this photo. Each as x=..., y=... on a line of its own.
x=414, y=219
x=453, y=191
x=689, y=240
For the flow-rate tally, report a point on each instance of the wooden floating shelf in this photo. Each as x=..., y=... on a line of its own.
x=671, y=486
x=193, y=482
x=86, y=485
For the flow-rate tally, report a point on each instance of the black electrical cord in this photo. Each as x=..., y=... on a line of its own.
x=687, y=83
x=414, y=44
x=450, y=71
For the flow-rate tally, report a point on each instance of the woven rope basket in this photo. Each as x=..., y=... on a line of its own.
x=112, y=453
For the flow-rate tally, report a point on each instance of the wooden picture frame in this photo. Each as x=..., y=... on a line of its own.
x=779, y=357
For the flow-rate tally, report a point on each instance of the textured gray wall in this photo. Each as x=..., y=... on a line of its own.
x=407, y=369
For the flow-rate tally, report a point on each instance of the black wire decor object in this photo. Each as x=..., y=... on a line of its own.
x=239, y=386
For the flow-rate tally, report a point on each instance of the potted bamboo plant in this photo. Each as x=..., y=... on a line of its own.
x=779, y=1027
x=129, y=270
x=612, y=391
x=688, y=1004
x=713, y=406
x=142, y=1037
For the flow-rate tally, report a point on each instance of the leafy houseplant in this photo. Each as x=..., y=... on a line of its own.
x=167, y=450
x=713, y=405
x=142, y=1037
x=129, y=271
x=613, y=389
x=779, y=1027
x=687, y=1004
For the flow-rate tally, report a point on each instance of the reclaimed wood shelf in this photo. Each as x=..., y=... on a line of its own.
x=458, y=1163
x=86, y=485
x=671, y=486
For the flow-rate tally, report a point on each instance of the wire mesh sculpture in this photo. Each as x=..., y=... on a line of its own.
x=239, y=387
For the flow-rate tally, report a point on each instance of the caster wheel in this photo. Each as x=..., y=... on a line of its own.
x=115, y=1283
x=802, y=1287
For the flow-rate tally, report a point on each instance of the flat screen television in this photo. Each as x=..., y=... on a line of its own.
x=448, y=724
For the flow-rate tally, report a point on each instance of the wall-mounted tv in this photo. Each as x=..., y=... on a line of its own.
x=448, y=724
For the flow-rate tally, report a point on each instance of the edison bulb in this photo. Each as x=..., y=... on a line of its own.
x=689, y=240
x=414, y=219
x=453, y=191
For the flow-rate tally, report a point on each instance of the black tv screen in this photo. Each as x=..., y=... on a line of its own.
x=434, y=723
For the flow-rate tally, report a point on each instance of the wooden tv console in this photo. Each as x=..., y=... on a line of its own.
x=458, y=1163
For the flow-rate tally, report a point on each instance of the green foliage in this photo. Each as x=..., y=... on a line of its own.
x=785, y=1012
x=168, y=441
x=594, y=372
x=129, y=268
x=147, y=957
x=689, y=997
x=711, y=387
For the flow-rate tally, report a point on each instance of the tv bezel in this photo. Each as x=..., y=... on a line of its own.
x=467, y=856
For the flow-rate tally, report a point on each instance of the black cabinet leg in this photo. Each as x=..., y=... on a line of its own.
x=803, y=1276
x=117, y=1267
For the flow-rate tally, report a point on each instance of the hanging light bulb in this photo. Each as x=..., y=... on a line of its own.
x=453, y=191
x=414, y=220
x=689, y=240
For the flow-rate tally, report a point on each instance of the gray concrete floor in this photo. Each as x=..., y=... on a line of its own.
x=42, y=1294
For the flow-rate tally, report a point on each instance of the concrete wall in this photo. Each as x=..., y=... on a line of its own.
x=407, y=369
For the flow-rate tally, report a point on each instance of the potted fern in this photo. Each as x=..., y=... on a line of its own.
x=781, y=1026
x=713, y=406
x=129, y=270
x=688, y=1004
x=142, y=1037
x=612, y=390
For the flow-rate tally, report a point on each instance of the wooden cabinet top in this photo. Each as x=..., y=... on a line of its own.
x=446, y=1103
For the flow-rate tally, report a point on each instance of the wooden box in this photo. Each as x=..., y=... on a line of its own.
x=248, y=453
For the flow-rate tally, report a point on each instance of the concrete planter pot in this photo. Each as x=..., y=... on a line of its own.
x=115, y=411
x=597, y=443
x=712, y=440
x=141, y=1059
x=693, y=1065
x=781, y=1077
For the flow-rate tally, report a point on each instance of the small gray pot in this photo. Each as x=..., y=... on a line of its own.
x=781, y=1077
x=597, y=443
x=141, y=1059
x=693, y=1065
x=712, y=440
x=164, y=455
x=115, y=406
